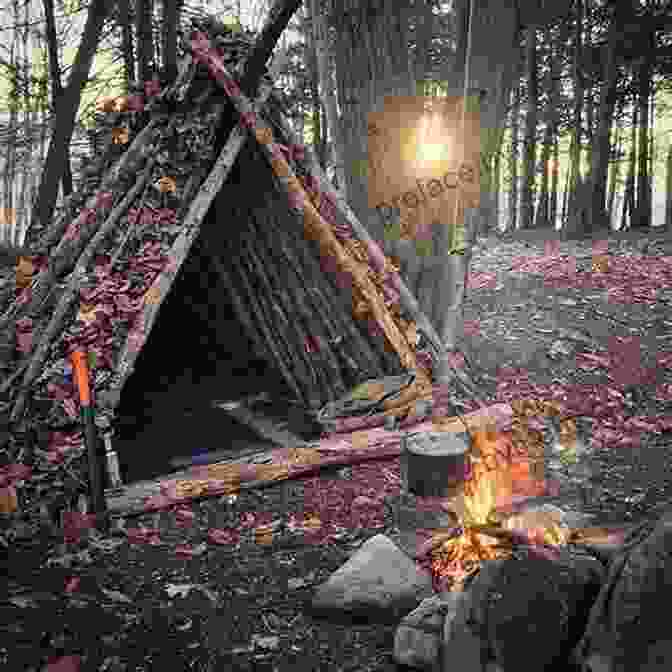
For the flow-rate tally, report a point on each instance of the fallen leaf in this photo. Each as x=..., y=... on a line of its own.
x=143, y=535
x=72, y=584
x=8, y=500
x=184, y=517
x=223, y=537
x=184, y=551
x=65, y=664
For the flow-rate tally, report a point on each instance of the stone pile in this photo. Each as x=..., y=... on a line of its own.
x=583, y=608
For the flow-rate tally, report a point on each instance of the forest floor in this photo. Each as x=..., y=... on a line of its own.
x=180, y=592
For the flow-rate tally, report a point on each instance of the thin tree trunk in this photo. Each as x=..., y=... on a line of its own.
x=497, y=180
x=530, y=145
x=12, y=131
x=615, y=174
x=325, y=73
x=543, y=218
x=629, y=196
x=67, y=111
x=600, y=156
x=126, y=22
x=313, y=74
x=590, y=128
x=424, y=31
x=56, y=86
x=513, y=160
x=668, y=189
x=171, y=18
x=642, y=218
x=555, y=180
x=29, y=101
x=143, y=31
x=578, y=87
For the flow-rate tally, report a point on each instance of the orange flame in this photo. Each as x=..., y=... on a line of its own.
x=494, y=476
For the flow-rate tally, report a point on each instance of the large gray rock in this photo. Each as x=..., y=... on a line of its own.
x=628, y=627
x=523, y=613
x=379, y=579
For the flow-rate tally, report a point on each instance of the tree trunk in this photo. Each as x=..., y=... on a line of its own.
x=529, y=145
x=171, y=18
x=629, y=196
x=325, y=73
x=126, y=23
x=313, y=73
x=491, y=70
x=555, y=179
x=29, y=103
x=424, y=32
x=143, y=31
x=600, y=156
x=642, y=218
x=668, y=189
x=575, y=147
x=615, y=174
x=497, y=181
x=590, y=128
x=11, y=141
x=66, y=112
x=56, y=86
x=372, y=62
x=543, y=215
x=513, y=160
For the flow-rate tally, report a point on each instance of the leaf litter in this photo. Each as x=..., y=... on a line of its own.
x=239, y=575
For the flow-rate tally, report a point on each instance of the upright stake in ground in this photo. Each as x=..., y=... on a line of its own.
x=97, y=495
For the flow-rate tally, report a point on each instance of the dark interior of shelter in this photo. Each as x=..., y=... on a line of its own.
x=198, y=352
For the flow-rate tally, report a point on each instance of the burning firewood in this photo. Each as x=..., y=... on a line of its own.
x=457, y=553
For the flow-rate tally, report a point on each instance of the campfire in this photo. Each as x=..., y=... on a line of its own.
x=483, y=532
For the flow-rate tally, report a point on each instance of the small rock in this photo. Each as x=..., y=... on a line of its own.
x=378, y=576
x=417, y=641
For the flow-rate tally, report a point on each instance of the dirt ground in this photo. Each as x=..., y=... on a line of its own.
x=174, y=600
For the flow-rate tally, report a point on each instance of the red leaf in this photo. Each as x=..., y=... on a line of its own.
x=223, y=537
x=65, y=664
x=72, y=584
x=184, y=551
